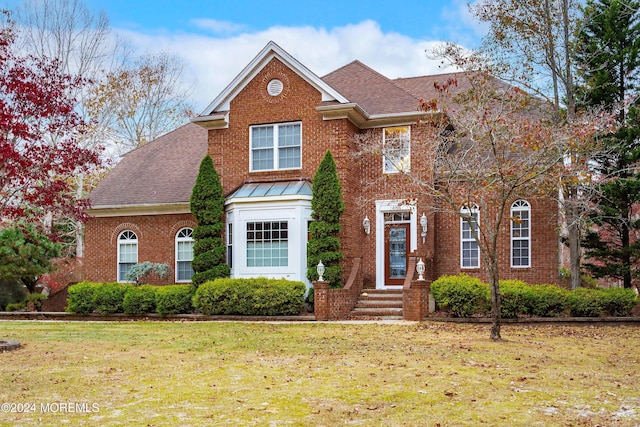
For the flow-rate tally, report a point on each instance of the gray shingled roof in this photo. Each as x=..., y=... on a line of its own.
x=162, y=171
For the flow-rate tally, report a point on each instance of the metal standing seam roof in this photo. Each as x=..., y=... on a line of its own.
x=273, y=189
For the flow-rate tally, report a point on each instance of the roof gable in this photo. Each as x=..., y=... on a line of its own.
x=222, y=102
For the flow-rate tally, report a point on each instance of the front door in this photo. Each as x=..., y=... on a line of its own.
x=396, y=249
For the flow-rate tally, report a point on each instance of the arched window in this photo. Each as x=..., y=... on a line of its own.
x=184, y=254
x=127, y=253
x=469, y=249
x=520, y=234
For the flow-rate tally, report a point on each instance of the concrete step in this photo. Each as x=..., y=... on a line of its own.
x=377, y=312
x=379, y=303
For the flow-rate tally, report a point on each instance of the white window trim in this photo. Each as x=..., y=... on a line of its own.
x=523, y=205
x=473, y=211
x=179, y=240
x=127, y=241
x=276, y=127
x=395, y=168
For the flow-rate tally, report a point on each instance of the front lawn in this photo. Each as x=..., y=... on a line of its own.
x=317, y=374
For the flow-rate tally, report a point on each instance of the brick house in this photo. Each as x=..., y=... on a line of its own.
x=267, y=132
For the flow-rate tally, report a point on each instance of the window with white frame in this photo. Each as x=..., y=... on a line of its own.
x=521, y=234
x=275, y=147
x=184, y=255
x=267, y=244
x=469, y=249
x=396, y=149
x=127, y=253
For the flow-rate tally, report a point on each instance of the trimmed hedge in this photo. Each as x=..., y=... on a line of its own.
x=614, y=302
x=109, y=297
x=80, y=299
x=139, y=300
x=461, y=296
x=174, y=299
x=464, y=296
x=253, y=297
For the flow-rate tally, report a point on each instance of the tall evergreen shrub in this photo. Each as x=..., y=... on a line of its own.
x=207, y=206
x=327, y=206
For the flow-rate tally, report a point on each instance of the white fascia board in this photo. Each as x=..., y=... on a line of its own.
x=271, y=50
x=266, y=199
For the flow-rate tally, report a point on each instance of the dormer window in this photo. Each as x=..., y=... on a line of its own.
x=276, y=147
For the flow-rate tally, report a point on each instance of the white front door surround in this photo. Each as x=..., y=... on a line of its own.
x=388, y=206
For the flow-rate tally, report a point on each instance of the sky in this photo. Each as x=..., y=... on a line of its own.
x=216, y=39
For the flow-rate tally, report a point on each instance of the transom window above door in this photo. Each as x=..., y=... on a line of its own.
x=275, y=147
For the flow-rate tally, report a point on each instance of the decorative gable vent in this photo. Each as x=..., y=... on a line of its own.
x=275, y=87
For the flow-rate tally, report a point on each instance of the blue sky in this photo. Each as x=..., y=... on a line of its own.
x=216, y=39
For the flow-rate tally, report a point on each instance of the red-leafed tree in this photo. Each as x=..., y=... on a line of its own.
x=39, y=152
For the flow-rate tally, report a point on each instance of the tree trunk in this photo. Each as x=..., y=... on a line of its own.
x=494, y=283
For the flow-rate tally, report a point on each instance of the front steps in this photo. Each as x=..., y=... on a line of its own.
x=378, y=304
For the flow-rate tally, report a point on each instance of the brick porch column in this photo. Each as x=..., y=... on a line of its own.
x=321, y=300
x=415, y=304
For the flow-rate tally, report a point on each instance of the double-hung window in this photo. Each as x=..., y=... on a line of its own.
x=397, y=149
x=469, y=250
x=184, y=255
x=520, y=234
x=277, y=146
x=127, y=253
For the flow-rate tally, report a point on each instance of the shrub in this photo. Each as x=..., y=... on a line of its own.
x=109, y=297
x=16, y=306
x=255, y=296
x=80, y=299
x=547, y=300
x=513, y=294
x=11, y=292
x=174, y=299
x=139, y=300
x=618, y=301
x=461, y=295
x=585, y=302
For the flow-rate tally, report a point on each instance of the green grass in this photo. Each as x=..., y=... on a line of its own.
x=320, y=374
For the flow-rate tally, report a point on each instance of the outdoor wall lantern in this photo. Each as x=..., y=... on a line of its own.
x=420, y=269
x=320, y=270
x=423, y=223
x=366, y=224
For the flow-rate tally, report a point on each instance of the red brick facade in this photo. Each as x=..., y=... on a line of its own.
x=156, y=243
x=363, y=184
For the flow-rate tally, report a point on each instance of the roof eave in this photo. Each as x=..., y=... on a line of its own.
x=105, y=211
x=213, y=121
x=356, y=115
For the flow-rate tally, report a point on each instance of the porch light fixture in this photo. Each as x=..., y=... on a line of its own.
x=423, y=223
x=366, y=224
x=320, y=270
x=420, y=269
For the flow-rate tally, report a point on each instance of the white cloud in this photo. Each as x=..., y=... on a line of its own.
x=218, y=27
x=212, y=62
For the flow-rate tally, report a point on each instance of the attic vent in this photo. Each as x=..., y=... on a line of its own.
x=274, y=87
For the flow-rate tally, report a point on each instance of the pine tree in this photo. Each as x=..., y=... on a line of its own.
x=207, y=206
x=609, y=60
x=327, y=206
